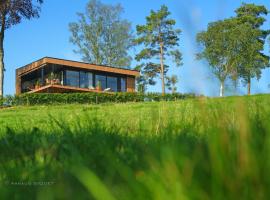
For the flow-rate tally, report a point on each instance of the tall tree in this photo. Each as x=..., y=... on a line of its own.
x=218, y=49
x=11, y=13
x=254, y=59
x=102, y=36
x=160, y=40
x=225, y=46
x=171, y=82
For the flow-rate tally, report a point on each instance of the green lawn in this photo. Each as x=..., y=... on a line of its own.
x=190, y=149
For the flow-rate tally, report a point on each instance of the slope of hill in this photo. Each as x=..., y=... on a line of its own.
x=191, y=149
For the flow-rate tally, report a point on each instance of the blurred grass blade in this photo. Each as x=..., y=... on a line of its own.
x=92, y=183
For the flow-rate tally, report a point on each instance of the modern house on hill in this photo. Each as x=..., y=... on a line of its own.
x=52, y=75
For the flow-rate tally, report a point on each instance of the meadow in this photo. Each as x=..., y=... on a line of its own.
x=203, y=148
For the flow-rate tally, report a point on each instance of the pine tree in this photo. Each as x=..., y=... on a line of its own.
x=160, y=40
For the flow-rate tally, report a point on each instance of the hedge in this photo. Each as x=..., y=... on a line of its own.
x=89, y=98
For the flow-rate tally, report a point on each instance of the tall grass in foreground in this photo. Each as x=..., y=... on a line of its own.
x=195, y=149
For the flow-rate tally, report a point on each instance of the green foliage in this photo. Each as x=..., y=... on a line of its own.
x=90, y=98
x=233, y=47
x=1, y=100
x=160, y=41
x=196, y=149
x=14, y=11
x=171, y=83
x=102, y=36
x=141, y=81
x=219, y=48
x=82, y=98
x=252, y=14
x=254, y=60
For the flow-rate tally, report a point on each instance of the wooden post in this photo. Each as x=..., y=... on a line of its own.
x=18, y=83
x=42, y=76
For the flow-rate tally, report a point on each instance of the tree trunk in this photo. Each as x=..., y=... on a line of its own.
x=162, y=68
x=235, y=87
x=2, y=67
x=221, y=90
x=249, y=86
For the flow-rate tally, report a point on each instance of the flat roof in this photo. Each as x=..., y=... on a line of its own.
x=75, y=64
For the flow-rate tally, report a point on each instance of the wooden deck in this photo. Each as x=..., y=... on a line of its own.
x=63, y=89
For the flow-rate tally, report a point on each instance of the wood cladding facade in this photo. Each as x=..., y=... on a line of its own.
x=33, y=68
x=130, y=84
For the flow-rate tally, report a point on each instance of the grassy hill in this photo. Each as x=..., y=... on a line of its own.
x=190, y=149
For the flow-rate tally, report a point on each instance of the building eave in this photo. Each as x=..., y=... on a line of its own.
x=74, y=64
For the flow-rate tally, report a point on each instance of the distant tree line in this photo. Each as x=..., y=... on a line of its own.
x=233, y=47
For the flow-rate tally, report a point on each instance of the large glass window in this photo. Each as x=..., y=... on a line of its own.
x=102, y=80
x=123, y=84
x=72, y=78
x=112, y=83
x=86, y=80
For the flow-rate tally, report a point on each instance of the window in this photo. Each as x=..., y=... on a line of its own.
x=102, y=80
x=112, y=83
x=72, y=78
x=123, y=85
x=86, y=80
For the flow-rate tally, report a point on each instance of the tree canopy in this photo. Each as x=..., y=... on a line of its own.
x=102, y=36
x=11, y=13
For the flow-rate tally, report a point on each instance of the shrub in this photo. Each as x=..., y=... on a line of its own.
x=91, y=98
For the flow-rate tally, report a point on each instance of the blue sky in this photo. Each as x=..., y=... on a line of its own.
x=49, y=36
